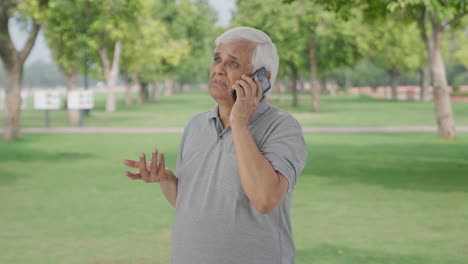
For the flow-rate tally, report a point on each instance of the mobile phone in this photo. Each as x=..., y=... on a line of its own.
x=262, y=77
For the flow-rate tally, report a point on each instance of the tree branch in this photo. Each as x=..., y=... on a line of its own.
x=23, y=54
x=446, y=25
x=8, y=51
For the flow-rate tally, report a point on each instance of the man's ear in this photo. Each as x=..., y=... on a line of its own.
x=268, y=74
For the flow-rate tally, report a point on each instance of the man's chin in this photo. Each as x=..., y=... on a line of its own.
x=220, y=94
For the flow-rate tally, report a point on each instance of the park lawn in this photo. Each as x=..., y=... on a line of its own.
x=362, y=198
x=176, y=110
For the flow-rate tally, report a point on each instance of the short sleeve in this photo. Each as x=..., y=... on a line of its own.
x=285, y=149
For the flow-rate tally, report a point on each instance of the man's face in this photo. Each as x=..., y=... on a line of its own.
x=230, y=61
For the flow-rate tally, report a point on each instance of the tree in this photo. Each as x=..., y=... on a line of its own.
x=195, y=22
x=396, y=48
x=435, y=17
x=65, y=33
x=110, y=21
x=280, y=22
x=305, y=30
x=32, y=12
x=150, y=50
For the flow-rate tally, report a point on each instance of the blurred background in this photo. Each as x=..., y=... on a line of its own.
x=379, y=86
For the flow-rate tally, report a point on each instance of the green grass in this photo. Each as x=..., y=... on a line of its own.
x=363, y=198
x=175, y=111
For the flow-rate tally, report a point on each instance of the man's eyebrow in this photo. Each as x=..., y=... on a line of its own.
x=216, y=54
x=233, y=58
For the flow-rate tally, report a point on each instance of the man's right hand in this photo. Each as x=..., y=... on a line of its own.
x=155, y=172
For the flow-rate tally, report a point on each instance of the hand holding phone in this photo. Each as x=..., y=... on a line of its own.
x=262, y=77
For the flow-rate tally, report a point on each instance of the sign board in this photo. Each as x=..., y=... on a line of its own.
x=24, y=99
x=46, y=100
x=83, y=99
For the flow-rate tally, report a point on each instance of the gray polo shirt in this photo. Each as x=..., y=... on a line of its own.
x=214, y=222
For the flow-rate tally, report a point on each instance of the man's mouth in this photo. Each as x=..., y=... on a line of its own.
x=220, y=83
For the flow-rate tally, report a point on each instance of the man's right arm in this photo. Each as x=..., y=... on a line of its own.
x=169, y=187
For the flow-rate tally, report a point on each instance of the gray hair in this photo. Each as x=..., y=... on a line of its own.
x=264, y=54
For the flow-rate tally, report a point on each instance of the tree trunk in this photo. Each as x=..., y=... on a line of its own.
x=323, y=86
x=293, y=82
x=394, y=80
x=443, y=105
x=130, y=82
x=426, y=71
x=13, y=61
x=282, y=91
x=144, y=93
x=73, y=114
x=12, y=111
x=347, y=79
x=315, y=86
x=177, y=87
x=424, y=82
x=111, y=72
x=156, y=92
x=169, y=87
x=128, y=94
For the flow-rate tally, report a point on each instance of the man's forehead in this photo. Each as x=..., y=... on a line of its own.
x=236, y=48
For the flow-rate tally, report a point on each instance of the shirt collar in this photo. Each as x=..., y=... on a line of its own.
x=261, y=108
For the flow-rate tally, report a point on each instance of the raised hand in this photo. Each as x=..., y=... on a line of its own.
x=156, y=171
x=153, y=172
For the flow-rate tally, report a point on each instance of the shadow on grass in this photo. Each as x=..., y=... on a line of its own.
x=326, y=253
x=431, y=167
x=12, y=153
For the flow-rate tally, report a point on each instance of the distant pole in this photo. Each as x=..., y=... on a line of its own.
x=47, y=119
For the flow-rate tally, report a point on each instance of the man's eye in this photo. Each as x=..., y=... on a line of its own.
x=216, y=59
x=234, y=64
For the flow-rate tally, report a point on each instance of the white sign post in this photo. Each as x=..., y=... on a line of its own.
x=80, y=100
x=47, y=100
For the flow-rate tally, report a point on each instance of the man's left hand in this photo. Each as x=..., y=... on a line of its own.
x=249, y=94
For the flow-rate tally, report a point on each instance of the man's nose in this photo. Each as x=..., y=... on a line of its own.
x=220, y=68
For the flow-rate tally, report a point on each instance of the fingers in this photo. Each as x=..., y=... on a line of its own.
x=161, y=172
x=143, y=169
x=245, y=87
x=249, y=86
x=154, y=163
x=132, y=163
x=133, y=176
x=254, y=85
x=153, y=172
x=239, y=91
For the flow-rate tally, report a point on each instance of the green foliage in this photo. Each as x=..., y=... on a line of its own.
x=192, y=23
x=171, y=40
x=109, y=21
x=148, y=46
x=396, y=47
x=34, y=9
x=339, y=42
x=280, y=22
x=66, y=33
